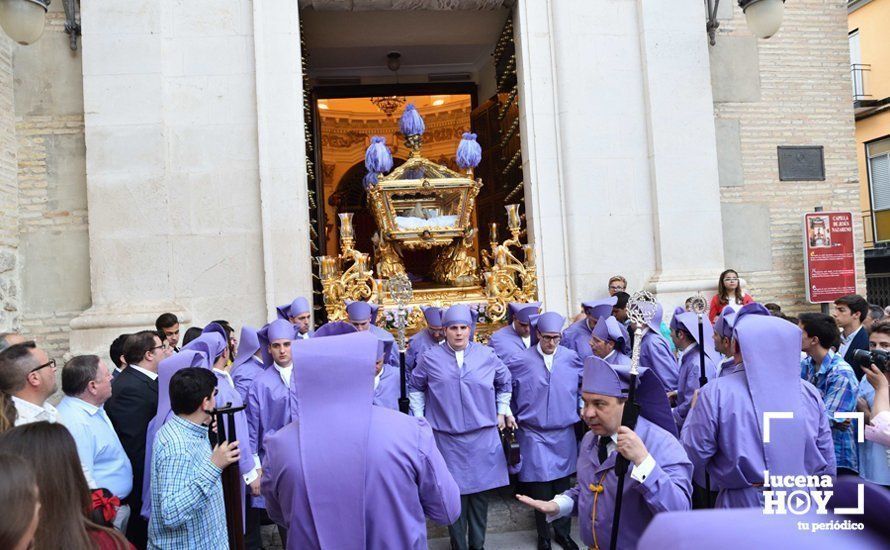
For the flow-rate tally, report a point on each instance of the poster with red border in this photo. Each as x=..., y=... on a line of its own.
x=829, y=256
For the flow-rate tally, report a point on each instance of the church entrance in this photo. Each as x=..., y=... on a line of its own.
x=458, y=68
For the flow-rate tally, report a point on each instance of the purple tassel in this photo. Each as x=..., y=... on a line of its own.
x=369, y=181
x=469, y=152
x=411, y=123
x=378, y=158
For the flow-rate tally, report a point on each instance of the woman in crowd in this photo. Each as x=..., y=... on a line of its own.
x=65, y=499
x=729, y=293
x=18, y=488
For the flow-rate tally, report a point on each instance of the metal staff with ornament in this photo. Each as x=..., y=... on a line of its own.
x=640, y=310
x=699, y=305
x=401, y=292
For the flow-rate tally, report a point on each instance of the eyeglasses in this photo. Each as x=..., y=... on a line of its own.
x=616, y=287
x=554, y=338
x=162, y=346
x=50, y=363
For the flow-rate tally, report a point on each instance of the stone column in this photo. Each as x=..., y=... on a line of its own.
x=195, y=163
x=682, y=149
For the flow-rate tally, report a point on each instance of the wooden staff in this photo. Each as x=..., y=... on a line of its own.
x=231, y=478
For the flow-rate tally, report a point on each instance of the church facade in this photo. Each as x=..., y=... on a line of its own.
x=163, y=165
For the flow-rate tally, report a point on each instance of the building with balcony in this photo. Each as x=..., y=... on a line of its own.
x=870, y=78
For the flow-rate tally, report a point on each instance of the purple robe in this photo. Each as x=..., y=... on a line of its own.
x=577, y=338
x=405, y=479
x=393, y=357
x=545, y=405
x=506, y=343
x=386, y=394
x=347, y=474
x=268, y=410
x=460, y=405
x=244, y=374
x=722, y=434
x=227, y=393
x=617, y=358
x=655, y=353
x=417, y=344
x=690, y=370
x=668, y=488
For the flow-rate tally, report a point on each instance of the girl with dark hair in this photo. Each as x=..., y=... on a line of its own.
x=18, y=489
x=64, y=514
x=729, y=293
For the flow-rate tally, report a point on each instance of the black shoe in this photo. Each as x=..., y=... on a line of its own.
x=567, y=543
x=543, y=544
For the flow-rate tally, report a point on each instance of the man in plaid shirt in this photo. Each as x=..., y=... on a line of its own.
x=835, y=380
x=187, y=508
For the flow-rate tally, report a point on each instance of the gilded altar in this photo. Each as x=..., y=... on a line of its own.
x=424, y=206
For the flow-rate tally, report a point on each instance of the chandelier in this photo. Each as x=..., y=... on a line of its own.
x=389, y=104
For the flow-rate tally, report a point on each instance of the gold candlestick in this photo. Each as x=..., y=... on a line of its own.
x=513, y=217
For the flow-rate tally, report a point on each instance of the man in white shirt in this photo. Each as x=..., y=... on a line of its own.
x=849, y=313
x=29, y=376
x=86, y=382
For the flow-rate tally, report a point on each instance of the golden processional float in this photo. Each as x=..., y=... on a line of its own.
x=424, y=206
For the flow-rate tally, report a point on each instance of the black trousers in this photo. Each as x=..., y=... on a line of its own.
x=137, y=526
x=546, y=490
x=253, y=537
x=468, y=532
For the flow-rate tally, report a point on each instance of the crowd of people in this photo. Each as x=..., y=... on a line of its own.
x=131, y=457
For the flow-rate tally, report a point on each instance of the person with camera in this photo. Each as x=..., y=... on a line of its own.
x=874, y=400
x=834, y=379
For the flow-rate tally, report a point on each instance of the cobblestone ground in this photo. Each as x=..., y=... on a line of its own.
x=510, y=527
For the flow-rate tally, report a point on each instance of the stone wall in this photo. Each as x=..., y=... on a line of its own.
x=793, y=89
x=10, y=305
x=53, y=251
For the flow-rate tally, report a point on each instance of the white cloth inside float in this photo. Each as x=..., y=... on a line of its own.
x=413, y=222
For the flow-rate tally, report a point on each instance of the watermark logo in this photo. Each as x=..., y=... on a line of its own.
x=806, y=494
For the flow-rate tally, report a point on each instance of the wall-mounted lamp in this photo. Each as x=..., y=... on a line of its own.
x=764, y=17
x=24, y=20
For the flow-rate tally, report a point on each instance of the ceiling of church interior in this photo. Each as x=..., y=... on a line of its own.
x=355, y=43
x=363, y=106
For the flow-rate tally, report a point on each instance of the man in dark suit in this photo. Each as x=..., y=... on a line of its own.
x=849, y=314
x=134, y=402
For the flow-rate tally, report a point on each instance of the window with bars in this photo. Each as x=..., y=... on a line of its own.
x=878, y=155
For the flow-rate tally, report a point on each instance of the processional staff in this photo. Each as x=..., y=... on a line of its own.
x=231, y=477
x=400, y=292
x=640, y=309
x=699, y=305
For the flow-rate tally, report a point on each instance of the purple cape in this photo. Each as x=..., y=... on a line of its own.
x=334, y=437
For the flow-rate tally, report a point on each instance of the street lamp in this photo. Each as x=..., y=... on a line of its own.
x=764, y=17
x=23, y=20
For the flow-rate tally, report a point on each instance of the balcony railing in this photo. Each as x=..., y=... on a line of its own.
x=857, y=74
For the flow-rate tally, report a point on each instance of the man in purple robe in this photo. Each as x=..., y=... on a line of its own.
x=546, y=391
x=577, y=336
x=363, y=316
x=684, y=332
x=349, y=475
x=723, y=432
x=299, y=314
x=248, y=363
x=655, y=350
x=660, y=474
x=610, y=341
x=464, y=390
x=432, y=335
x=166, y=369
x=516, y=337
x=386, y=379
x=723, y=339
x=267, y=398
